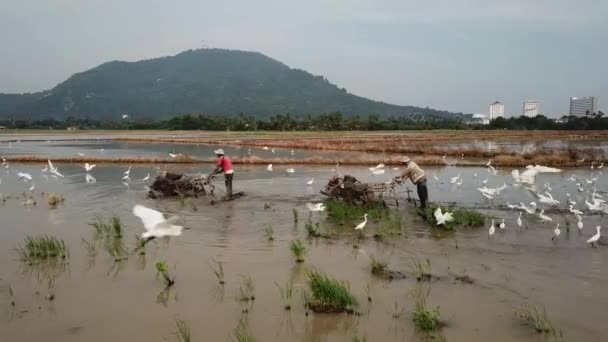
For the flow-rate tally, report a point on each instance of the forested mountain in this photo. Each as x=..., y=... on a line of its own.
x=207, y=81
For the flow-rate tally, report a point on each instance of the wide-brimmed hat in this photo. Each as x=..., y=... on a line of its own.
x=405, y=159
x=219, y=151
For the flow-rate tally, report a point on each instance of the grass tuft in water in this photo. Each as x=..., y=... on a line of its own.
x=298, y=250
x=182, y=331
x=392, y=225
x=217, y=268
x=421, y=269
x=246, y=289
x=462, y=217
x=53, y=200
x=295, y=215
x=424, y=318
x=90, y=247
x=329, y=295
x=378, y=266
x=537, y=318
x=359, y=339
x=339, y=211
x=162, y=269
x=40, y=248
x=398, y=311
x=368, y=291
x=269, y=233
x=112, y=228
x=286, y=293
x=242, y=333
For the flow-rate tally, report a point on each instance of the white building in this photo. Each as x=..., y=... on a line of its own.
x=481, y=118
x=581, y=106
x=531, y=109
x=497, y=110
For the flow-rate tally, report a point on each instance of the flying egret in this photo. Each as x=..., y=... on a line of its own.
x=502, y=224
x=595, y=237
x=125, y=116
x=88, y=167
x=361, y=225
x=311, y=181
x=574, y=211
x=53, y=169
x=529, y=175
x=315, y=206
x=378, y=172
x=556, y=232
x=90, y=179
x=492, y=230
x=519, y=219
x=544, y=217
x=442, y=218
x=290, y=170
x=455, y=179
x=156, y=224
x=24, y=176
x=269, y=167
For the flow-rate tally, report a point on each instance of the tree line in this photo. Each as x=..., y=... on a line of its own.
x=335, y=121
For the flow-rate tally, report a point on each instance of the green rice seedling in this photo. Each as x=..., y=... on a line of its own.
x=90, y=247
x=140, y=245
x=422, y=270
x=286, y=293
x=312, y=229
x=242, y=333
x=116, y=227
x=359, y=339
x=182, y=331
x=305, y=299
x=246, y=289
x=40, y=248
x=398, y=311
x=11, y=296
x=267, y=205
x=537, y=318
x=218, y=271
x=339, y=211
x=116, y=248
x=329, y=295
x=378, y=266
x=392, y=225
x=269, y=233
x=424, y=318
x=112, y=228
x=298, y=250
x=295, y=215
x=368, y=292
x=162, y=269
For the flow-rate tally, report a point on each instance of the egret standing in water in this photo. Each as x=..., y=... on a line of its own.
x=502, y=224
x=519, y=220
x=361, y=225
x=595, y=237
x=556, y=232
x=492, y=230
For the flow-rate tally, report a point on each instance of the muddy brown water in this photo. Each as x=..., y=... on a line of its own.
x=96, y=299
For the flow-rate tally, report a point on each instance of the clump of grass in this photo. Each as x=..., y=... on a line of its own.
x=117, y=249
x=90, y=247
x=424, y=318
x=340, y=211
x=295, y=215
x=11, y=296
x=182, y=331
x=111, y=228
x=421, y=269
x=398, y=311
x=242, y=333
x=462, y=217
x=537, y=319
x=312, y=229
x=378, y=266
x=359, y=339
x=368, y=292
x=392, y=225
x=269, y=233
x=286, y=293
x=246, y=289
x=218, y=271
x=162, y=269
x=267, y=205
x=40, y=248
x=329, y=295
x=54, y=200
x=298, y=250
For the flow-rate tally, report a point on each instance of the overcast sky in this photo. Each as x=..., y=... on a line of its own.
x=448, y=54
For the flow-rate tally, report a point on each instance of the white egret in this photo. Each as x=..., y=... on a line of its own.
x=590, y=181
x=290, y=170
x=556, y=232
x=272, y=150
x=455, y=179
x=572, y=178
x=529, y=175
x=492, y=230
x=595, y=237
x=548, y=199
x=88, y=167
x=46, y=169
x=53, y=169
x=580, y=187
x=570, y=201
x=595, y=206
x=544, y=217
x=574, y=211
x=361, y=225
x=378, y=172
x=459, y=183
x=146, y=178
x=601, y=166
x=265, y=148
x=502, y=224
x=579, y=224
x=442, y=218
x=32, y=187
x=24, y=176
x=81, y=154
x=173, y=155
x=311, y=181
x=292, y=152
x=548, y=187
x=90, y=179
x=315, y=206
x=489, y=163
x=485, y=181
x=125, y=116
x=435, y=176
x=269, y=167
x=519, y=220
x=156, y=224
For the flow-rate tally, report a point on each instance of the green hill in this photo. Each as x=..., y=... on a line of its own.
x=209, y=81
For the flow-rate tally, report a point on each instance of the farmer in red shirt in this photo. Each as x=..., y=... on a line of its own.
x=224, y=165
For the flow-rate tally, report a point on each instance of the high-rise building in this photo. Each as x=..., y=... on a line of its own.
x=497, y=110
x=531, y=109
x=581, y=106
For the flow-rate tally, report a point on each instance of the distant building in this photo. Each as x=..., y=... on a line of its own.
x=497, y=110
x=581, y=106
x=73, y=128
x=531, y=109
x=480, y=119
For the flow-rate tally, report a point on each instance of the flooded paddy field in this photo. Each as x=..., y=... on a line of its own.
x=91, y=296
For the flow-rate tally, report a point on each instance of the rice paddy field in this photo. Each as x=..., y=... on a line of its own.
x=265, y=268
